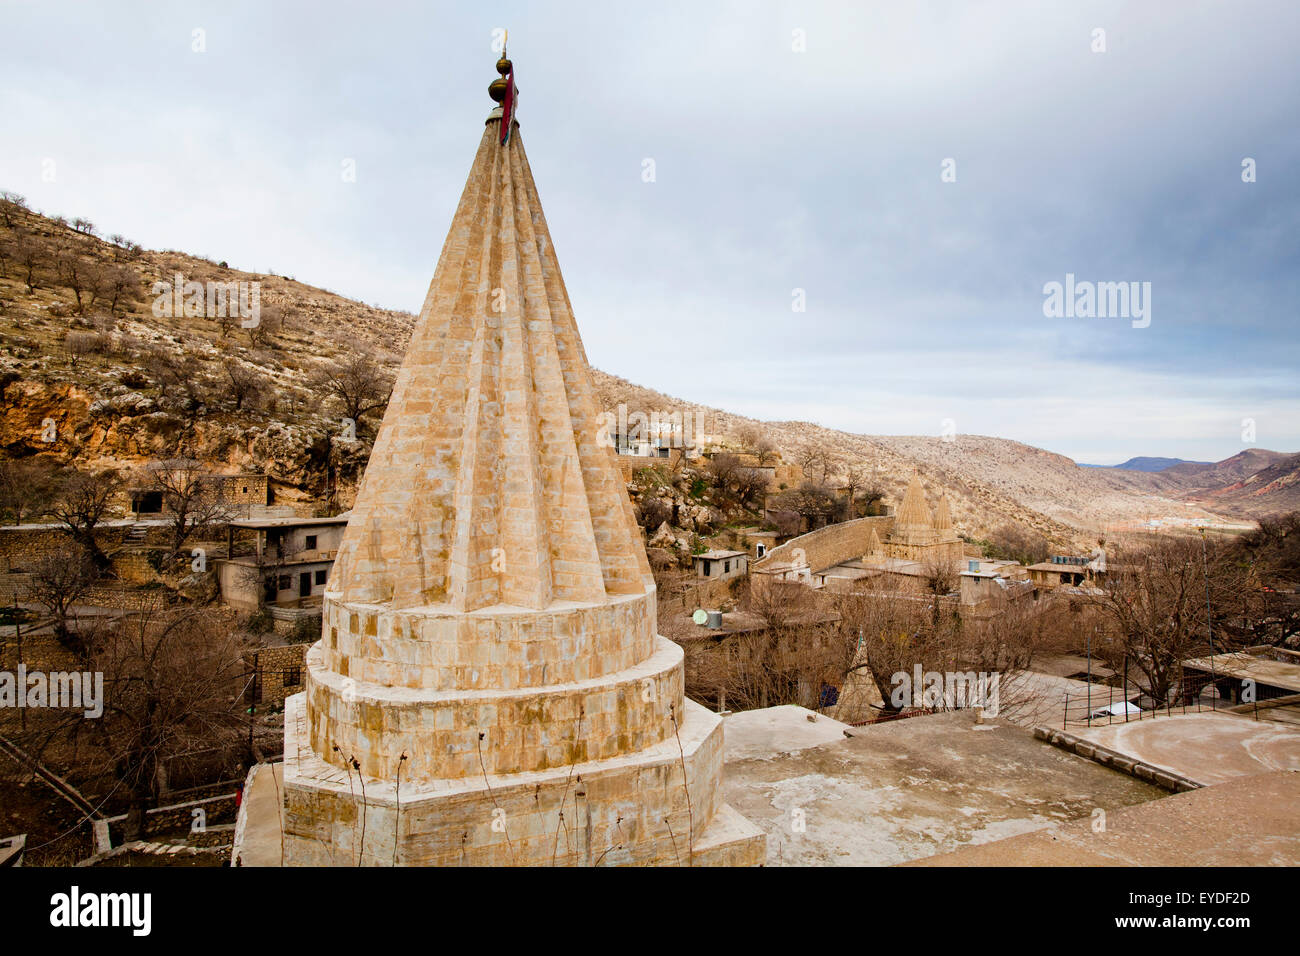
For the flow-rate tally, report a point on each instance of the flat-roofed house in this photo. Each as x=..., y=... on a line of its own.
x=287, y=562
x=721, y=565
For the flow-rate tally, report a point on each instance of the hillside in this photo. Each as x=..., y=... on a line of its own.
x=83, y=346
x=1256, y=491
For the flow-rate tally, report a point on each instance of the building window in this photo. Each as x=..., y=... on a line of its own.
x=245, y=491
x=292, y=676
x=284, y=582
x=320, y=576
x=726, y=567
x=311, y=542
x=705, y=566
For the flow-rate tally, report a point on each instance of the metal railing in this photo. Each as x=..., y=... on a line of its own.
x=1187, y=695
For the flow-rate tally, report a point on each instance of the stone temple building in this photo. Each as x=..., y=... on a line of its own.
x=490, y=687
x=917, y=534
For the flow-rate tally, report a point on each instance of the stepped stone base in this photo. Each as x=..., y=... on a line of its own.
x=626, y=810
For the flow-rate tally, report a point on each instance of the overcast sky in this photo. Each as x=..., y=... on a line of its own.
x=774, y=170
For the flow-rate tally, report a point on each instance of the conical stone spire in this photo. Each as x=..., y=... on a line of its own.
x=914, y=512
x=873, y=546
x=487, y=484
x=489, y=628
x=942, y=515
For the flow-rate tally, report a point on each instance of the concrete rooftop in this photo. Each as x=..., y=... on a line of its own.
x=1248, y=821
x=911, y=788
x=773, y=730
x=1206, y=747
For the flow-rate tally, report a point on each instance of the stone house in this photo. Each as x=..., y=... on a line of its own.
x=289, y=563
x=721, y=565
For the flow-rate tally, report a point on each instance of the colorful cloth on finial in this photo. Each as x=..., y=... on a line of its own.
x=508, y=107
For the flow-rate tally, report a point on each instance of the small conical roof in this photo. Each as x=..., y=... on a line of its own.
x=488, y=483
x=942, y=515
x=873, y=543
x=914, y=512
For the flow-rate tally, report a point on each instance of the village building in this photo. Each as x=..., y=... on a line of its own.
x=273, y=673
x=286, y=564
x=242, y=494
x=1252, y=675
x=758, y=540
x=721, y=565
x=1067, y=571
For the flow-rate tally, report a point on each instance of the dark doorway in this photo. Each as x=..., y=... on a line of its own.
x=304, y=584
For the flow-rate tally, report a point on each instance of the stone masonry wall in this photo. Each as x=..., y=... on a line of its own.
x=829, y=545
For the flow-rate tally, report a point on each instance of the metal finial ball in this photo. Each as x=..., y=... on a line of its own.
x=503, y=66
x=497, y=90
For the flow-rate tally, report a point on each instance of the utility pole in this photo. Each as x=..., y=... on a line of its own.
x=1089, y=644
x=252, y=701
x=18, y=633
x=1209, y=623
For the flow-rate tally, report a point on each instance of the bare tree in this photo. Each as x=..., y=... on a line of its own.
x=652, y=512
x=82, y=501
x=940, y=575
x=1013, y=543
x=764, y=449
x=722, y=470
x=25, y=488
x=77, y=345
x=357, y=382
x=893, y=629
x=269, y=321
x=98, y=282
x=29, y=253
x=58, y=581
x=10, y=205
x=245, y=385
x=749, y=485
x=76, y=275
x=789, y=655
x=173, y=373
x=815, y=504
x=173, y=679
x=192, y=498
x=1161, y=597
x=862, y=487
x=1274, y=547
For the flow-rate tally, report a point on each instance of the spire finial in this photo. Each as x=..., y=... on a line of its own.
x=497, y=88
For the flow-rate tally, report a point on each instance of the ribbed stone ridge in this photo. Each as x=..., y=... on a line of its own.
x=487, y=484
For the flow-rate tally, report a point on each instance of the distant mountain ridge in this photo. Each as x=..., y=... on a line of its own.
x=1149, y=464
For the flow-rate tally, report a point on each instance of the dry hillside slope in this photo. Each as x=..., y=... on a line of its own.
x=83, y=346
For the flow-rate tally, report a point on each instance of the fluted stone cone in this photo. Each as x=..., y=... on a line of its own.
x=489, y=664
x=488, y=483
x=914, y=512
